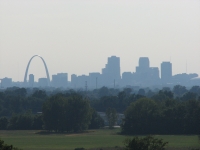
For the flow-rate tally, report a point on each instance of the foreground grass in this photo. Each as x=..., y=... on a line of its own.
x=29, y=140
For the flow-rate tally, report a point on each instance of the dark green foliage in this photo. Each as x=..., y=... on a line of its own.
x=179, y=90
x=141, y=92
x=72, y=113
x=39, y=94
x=111, y=116
x=15, y=100
x=119, y=102
x=3, y=123
x=168, y=116
x=146, y=143
x=141, y=117
x=79, y=148
x=6, y=147
x=96, y=121
x=25, y=121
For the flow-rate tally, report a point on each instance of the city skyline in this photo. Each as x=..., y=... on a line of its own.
x=43, y=66
x=77, y=36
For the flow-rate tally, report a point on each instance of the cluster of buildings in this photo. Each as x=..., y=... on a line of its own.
x=110, y=76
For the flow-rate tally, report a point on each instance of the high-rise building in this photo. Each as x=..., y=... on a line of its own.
x=146, y=75
x=111, y=72
x=74, y=81
x=60, y=80
x=43, y=82
x=94, y=80
x=6, y=82
x=143, y=70
x=31, y=80
x=127, y=78
x=144, y=62
x=166, y=72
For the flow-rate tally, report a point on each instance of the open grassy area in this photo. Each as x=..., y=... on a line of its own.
x=28, y=140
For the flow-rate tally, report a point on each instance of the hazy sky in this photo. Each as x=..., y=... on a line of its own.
x=77, y=36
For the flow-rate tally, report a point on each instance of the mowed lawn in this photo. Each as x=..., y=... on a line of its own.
x=29, y=140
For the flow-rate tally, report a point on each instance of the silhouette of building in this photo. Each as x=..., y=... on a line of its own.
x=31, y=80
x=73, y=81
x=60, y=80
x=127, y=79
x=111, y=72
x=183, y=78
x=146, y=75
x=6, y=82
x=94, y=80
x=43, y=82
x=166, y=72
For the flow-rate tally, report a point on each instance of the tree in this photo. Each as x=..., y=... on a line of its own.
x=3, y=123
x=141, y=117
x=39, y=94
x=146, y=143
x=141, y=92
x=179, y=90
x=111, y=116
x=72, y=113
x=6, y=147
x=96, y=121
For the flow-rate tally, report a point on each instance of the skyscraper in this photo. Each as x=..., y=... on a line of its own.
x=111, y=72
x=144, y=62
x=60, y=80
x=146, y=75
x=31, y=80
x=166, y=72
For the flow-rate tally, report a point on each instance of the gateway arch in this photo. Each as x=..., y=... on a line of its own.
x=47, y=72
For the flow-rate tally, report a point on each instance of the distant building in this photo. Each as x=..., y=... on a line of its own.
x=184, y=78
x=146, y=75
x=127, y=78
x=42, y=82
x=74, y=81
x=142, y=70
x=166, y=72
x=60, y=80
x=111, y=72
x=31, y=80
x=94, y=80
x=6, y=82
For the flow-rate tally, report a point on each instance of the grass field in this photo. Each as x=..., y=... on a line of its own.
x=29, y=140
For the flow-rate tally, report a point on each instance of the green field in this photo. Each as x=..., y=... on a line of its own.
x=29, y=140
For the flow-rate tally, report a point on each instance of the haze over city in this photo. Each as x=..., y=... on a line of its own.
x=78, y=36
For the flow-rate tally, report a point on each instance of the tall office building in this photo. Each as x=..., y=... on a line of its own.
x=146, y=75
x=127, y=78
x=111, y=72
x=94, y=80
x=31, y=80
x=43, y=82
x=60, y=80
x=144, y=62
x=74, y=81
x=142, y=71
x=6, y=82
x=166, y=72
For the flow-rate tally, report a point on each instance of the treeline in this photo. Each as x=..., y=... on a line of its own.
x=18, y=100
x=68, y=112
x=26, y=121
x=170, y=116
x=166, y=111
x=121, y=100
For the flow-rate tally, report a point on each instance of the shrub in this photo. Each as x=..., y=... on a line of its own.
x=146, y=143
